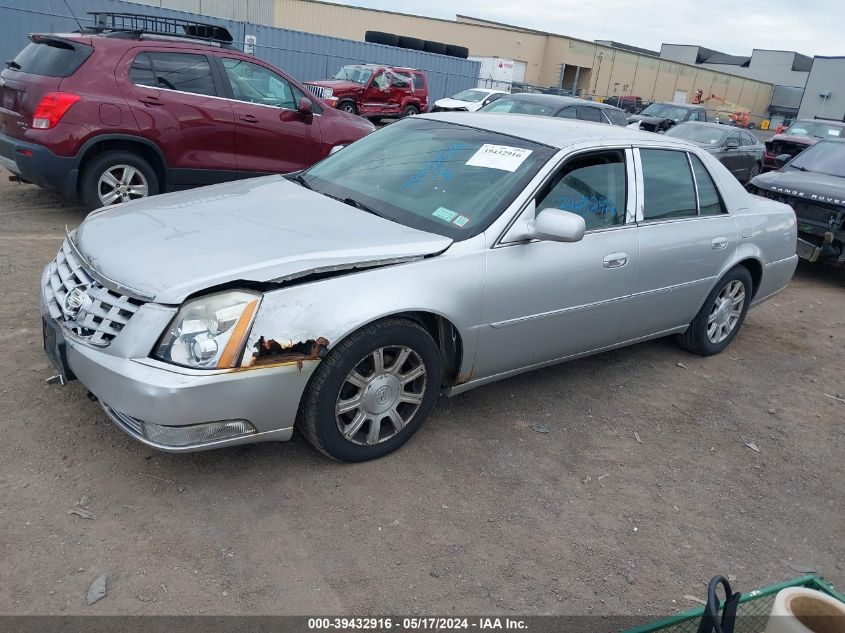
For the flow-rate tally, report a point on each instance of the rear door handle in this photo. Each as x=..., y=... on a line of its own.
x=153, y=101
x=719, y=243
x=248, y=118
x=615, y=260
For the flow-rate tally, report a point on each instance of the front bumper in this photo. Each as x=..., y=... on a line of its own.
x=141, y=390
x=38, y=165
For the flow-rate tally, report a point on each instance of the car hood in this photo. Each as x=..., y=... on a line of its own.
x=448, y=102
x=807, y=185
x=792, y=138
x=261, y=230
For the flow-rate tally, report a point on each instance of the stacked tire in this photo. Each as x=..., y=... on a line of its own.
x=416, y=44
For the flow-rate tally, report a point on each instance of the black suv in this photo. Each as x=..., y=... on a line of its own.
x=813, y=184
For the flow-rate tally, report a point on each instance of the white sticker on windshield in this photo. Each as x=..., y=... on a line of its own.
x=499, y=157
x=833, y=132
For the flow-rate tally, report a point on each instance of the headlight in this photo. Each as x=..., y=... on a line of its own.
x=328, y=93
x=209, y=332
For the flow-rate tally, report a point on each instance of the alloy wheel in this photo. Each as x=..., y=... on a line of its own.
x=121, y=183
x=726, y=311
x=381, y=395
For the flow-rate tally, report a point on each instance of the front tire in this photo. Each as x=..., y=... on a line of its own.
x=348, y=106
x=721, y=316
x=114, y=177
x=372, y=392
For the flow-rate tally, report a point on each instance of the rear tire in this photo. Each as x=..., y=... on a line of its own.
x=751, y=126
x=721, y=316
x=348, y=388
x=116, y=176
x=410, y=111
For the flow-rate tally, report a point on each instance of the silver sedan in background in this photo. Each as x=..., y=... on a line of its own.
x=439, y=254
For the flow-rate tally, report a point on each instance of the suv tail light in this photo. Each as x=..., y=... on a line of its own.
x=52, y=108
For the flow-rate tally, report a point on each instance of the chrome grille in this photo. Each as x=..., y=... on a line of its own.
x=103, y=313
x=319, y=91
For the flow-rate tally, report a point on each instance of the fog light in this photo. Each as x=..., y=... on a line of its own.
x=196, y=434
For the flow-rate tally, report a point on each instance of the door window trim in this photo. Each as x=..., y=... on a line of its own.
x=640, y=206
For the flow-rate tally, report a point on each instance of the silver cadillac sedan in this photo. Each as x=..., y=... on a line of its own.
x=439, y=254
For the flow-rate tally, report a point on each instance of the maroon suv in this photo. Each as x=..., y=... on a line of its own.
x=113, y=115
x=802, y=134
x=375, y=92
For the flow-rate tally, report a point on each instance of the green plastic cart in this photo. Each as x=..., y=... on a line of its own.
x=752, y=612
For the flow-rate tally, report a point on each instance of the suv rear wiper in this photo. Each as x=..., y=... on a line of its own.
x=11, y=63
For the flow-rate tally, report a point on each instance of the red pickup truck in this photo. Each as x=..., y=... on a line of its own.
x=374, y=91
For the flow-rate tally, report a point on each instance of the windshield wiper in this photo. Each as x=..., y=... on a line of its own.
x=799, y=168
x=11, y=63
x=352, y=202
x=299, y=178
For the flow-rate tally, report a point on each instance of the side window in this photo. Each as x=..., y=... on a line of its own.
x=747, y=139
x=141, y=71
x=696, y=115
x=667, y=184
x=567, y=113
x=255, y=84
x=591, y=185
x=380, y=81
x=709, y=199
x=733, y=139
x=399, y=80
x=185, y=72
x=419, y=82
x=586, y=113
x=493, y=97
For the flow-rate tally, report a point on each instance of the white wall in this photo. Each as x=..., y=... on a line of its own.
x=828, y=74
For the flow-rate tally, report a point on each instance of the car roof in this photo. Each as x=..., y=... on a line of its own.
x=825, y=121
x=551, y=131
x=103, y=40
x=689, y=106
x=557, y=100
x=719, y=126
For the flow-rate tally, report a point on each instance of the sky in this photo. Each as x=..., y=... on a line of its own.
x=811, y=27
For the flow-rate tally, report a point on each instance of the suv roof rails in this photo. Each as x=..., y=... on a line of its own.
x=138, y=24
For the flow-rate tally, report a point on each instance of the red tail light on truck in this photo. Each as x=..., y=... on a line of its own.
x=52, y=108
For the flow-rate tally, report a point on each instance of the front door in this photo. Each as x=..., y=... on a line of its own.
x=177, y=103
x=546, y=300
x=272, y=135
x=686, y=238
x=381, y=97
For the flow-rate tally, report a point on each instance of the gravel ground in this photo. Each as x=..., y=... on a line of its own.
x=480, y=513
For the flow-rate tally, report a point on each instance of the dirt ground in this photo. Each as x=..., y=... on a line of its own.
x=479, y=513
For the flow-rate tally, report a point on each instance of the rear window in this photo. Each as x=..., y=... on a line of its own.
x=51, y=58
x=419, y=82
x=616, y=117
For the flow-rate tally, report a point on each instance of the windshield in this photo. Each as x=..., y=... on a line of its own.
x=433, y=176
x=697, y=133
x=666, y=111
x=822, y=158
x=471, y=95
x=517, y=106
x=816, y=129
x=355, y=74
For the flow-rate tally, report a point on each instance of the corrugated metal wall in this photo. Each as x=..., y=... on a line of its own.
x=305, y=56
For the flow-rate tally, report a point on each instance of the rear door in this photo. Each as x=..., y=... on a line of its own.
x=272, y=135
x=178, y=103
x=686, y=238
x=733, y=157
x=38, y=69
x=589, y=113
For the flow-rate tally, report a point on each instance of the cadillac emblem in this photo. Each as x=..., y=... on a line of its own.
x=76, y=302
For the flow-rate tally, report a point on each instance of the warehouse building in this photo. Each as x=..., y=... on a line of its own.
x=824, y=95
x=549, y=60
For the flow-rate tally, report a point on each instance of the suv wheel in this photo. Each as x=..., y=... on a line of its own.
x=348, y=106
x=410, y=111
x=114, y=177
x=372, y=392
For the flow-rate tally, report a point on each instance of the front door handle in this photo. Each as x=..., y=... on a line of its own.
x=615, y=260
x=719, y=243
x=153, y=101
x=248, y=118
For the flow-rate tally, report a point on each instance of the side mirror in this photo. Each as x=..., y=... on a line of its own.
x=732, y=143
x=557, y=225
x=305, y=106
x=783, y=159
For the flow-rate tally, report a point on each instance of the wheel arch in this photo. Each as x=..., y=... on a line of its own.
x=107, y=142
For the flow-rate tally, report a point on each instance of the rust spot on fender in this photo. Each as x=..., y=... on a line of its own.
x=270, y=352
x=462, y=378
